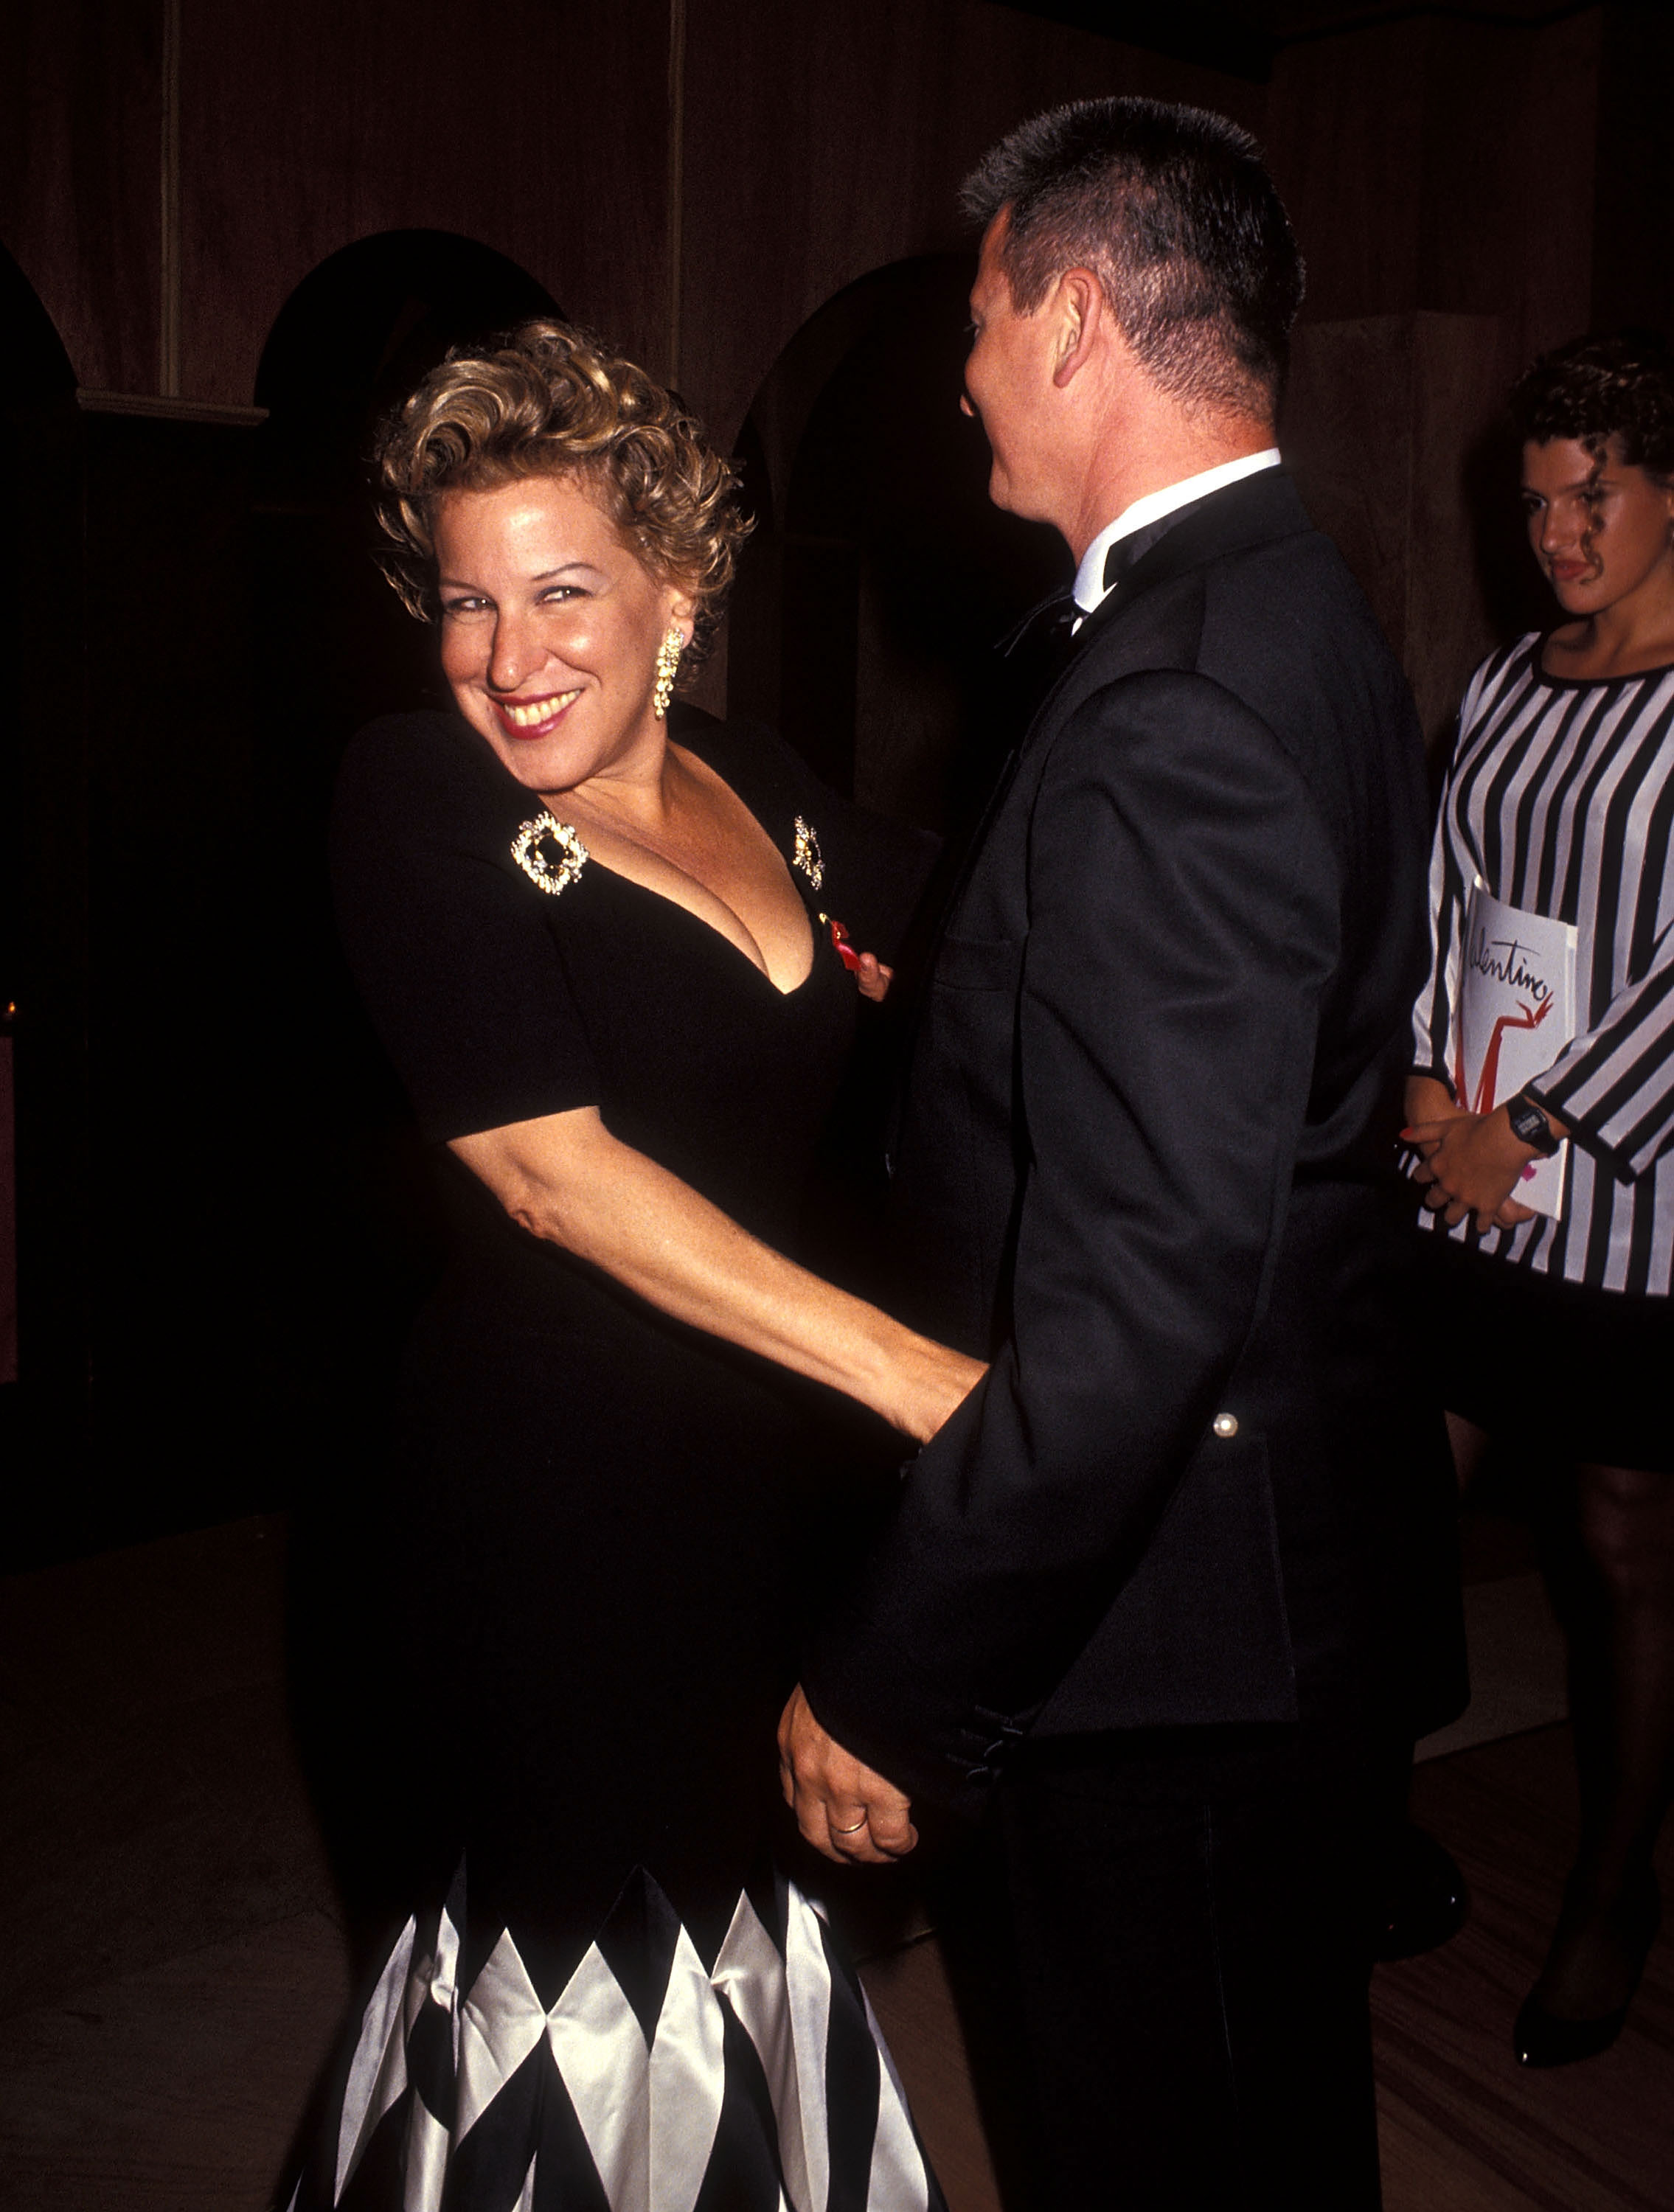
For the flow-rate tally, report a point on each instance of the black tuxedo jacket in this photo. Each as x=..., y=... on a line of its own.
x=1146, y=1164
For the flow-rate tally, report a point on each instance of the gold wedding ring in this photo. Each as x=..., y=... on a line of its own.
x=853, y=1829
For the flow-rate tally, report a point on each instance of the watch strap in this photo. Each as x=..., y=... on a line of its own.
x=1530, y=1124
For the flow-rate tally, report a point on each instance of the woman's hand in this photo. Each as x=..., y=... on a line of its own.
x=845, y=1808
x=866, y=969
x=1428, y=1099
x=873, y=977
x=1470, y=1163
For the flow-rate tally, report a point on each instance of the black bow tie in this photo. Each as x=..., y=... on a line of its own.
x=1049, y=628
x=1048, y=625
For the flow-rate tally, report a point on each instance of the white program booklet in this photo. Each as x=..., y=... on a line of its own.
x=1516, y=1014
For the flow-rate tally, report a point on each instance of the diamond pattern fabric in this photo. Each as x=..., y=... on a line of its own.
x=650, y=2085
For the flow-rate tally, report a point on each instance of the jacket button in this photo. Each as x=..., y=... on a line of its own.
x=1226, y=1424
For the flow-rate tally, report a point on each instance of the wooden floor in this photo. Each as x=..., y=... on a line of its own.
x=174, y=1964
x=1465, y=2128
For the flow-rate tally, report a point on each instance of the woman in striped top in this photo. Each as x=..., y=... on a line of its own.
x=1557, y=1332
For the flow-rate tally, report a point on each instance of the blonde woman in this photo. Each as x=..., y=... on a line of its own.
x=618, y=976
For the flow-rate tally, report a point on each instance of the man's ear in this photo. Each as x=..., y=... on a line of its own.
x=1079, y=305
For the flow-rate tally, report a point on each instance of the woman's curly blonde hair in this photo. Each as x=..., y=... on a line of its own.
x=549, y=400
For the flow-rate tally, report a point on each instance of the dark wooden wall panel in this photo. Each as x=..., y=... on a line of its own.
x=1380, y=425
x=1345, y=119
x=1633, y=269
x=1557, y=211
x=1429, y=164
x=1440, y=177
x=551, y=120
x=827, y=140
x=536, y=129
x=267, y=145
x=1507, y=203
x=80, y=133
x=1443, y=165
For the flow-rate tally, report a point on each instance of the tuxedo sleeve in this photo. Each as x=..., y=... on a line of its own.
x=1183, y=922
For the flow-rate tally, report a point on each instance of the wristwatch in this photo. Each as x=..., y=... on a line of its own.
x=1530, y=1124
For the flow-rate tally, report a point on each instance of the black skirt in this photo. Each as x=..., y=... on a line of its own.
x=1583, y=1374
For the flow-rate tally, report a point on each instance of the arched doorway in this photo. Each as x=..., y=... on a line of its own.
x=333, y=648
x=33, y=365
x=359, y=331
x=353, y=338
x=356, y=1248
x=880, y=576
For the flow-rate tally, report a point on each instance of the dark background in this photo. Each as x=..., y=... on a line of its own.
x=232, y=230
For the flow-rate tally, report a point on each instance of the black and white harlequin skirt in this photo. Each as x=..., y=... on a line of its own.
x=650, y=2084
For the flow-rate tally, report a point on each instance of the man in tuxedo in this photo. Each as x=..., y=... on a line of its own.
x=1153, y=1602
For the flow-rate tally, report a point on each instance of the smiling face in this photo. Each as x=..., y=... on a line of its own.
x=1600, y=531
x=1008, y=384
x=550, y=624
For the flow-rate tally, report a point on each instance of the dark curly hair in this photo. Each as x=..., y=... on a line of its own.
x=549, y=400
x=1616, y=384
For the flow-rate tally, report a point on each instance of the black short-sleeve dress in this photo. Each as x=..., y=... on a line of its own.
x=610, y=1999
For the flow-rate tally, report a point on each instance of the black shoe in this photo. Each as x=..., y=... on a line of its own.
x=1547, y=2038
x=1425, y=1902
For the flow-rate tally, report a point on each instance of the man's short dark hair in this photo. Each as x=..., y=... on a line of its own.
x=1172, y=210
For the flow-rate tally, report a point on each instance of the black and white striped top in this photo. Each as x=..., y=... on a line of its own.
x=1560, y=797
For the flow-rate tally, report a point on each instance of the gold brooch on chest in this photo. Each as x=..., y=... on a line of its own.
x=806, y=855
x=548, y=853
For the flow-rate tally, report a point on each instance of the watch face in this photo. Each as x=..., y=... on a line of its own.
x=1531, y=1125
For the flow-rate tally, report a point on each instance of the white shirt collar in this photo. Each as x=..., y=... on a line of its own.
x=1090, y=576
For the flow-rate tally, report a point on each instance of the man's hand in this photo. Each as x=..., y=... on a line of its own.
x=1471, y=1163
x=843, y=1808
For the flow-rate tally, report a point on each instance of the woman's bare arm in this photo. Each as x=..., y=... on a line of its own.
x=565, y=1178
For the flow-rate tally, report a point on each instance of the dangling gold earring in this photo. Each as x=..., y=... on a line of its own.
x=668, y=660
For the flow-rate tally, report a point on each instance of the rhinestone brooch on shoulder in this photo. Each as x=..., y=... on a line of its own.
x=805, y=855
x=548, y=853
